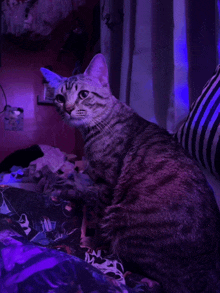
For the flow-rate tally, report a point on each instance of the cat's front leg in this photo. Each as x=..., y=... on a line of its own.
x=98, y=196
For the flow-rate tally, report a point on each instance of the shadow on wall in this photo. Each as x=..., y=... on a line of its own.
x=162, y=58
x=199, y=51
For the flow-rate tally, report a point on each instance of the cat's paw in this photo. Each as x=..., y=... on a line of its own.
x=71, y=194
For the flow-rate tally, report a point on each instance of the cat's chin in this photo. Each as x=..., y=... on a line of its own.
x=80, y=123
x=75, y=122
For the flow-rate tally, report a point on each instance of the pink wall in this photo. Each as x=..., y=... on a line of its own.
x=21, y=80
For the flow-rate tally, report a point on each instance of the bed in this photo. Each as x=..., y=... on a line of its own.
x=45, y=241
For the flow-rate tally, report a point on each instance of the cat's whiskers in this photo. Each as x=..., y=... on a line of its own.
x=96, y=125
x=102, y=126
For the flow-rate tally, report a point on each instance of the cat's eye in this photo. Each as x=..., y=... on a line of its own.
x=83, y=94
x=60, y=99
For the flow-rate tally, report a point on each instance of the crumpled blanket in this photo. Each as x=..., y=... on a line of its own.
x=47, y=218
x=55, y=173
x=28, y=219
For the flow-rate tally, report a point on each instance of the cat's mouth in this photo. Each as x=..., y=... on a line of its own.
x=78, y=114
x=81, y=113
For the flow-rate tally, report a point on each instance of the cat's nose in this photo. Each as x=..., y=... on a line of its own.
x=69, y=108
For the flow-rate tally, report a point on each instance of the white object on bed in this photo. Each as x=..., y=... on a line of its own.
x=53, y=158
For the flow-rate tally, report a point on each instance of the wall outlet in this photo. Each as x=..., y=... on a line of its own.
x=14, y=118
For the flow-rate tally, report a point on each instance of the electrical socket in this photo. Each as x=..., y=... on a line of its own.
x=14, y=118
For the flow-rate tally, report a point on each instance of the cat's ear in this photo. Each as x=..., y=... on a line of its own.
x=98, y=68
x=53, y=78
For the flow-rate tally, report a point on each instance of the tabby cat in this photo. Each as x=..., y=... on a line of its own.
x=156, y=208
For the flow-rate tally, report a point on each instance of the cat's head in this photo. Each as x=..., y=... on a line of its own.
x=84, y=99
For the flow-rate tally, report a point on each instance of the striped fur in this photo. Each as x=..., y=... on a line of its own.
x=154, y=205
x=200, y=133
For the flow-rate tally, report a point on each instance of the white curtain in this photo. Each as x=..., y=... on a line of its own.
x=152, y=55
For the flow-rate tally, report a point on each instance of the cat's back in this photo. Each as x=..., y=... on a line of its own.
x=157, y=166
x=164, y=217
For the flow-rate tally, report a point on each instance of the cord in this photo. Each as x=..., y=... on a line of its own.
x=6, y=103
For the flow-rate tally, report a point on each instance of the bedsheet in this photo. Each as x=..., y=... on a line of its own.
x=40, y=249
x=25, y=267
x=43, y=214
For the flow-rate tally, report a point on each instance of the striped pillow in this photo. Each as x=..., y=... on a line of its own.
x=200, y=133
